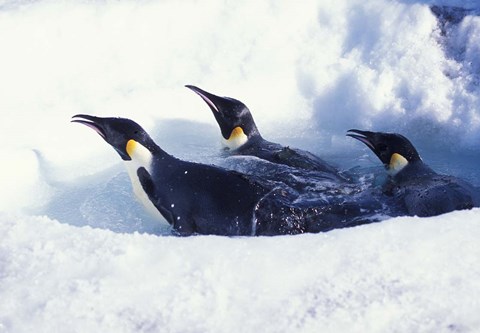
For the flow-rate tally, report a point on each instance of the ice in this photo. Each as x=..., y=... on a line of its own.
x=78, y=253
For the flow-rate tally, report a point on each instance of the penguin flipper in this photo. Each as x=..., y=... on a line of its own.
x=149, y=187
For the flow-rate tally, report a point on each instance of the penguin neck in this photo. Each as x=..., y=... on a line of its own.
x=143, y=152
x=240, y=137
x=415, y=169
x=143, y=157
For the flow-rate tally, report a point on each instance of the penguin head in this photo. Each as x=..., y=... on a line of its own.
x=233, y=117
x=394, y=150
x=127, y=137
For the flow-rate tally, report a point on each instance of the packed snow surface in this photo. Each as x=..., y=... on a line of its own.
x=79, y=254
x=404, y=275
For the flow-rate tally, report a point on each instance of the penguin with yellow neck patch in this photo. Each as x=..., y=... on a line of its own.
x=240, y=136
x=191, y=197
x=420, y=190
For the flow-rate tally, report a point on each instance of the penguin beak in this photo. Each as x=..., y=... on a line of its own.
x=212, y=100
x=92, y=122
x=362, y=136
x=222, y=109
x=103, y=126
x=376, y=141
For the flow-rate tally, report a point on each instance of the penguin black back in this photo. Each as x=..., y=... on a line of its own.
x=421, y=191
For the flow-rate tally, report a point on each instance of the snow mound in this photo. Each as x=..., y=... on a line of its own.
x=406, y=274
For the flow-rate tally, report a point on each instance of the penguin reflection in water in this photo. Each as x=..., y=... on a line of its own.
x=241, y=136
x=196, y=198
x=416, y=187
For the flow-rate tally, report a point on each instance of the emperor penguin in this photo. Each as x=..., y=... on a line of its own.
x=240, y=136
x=193, y=198
x=419, y=189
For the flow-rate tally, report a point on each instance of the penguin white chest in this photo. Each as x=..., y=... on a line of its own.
x=141, y=157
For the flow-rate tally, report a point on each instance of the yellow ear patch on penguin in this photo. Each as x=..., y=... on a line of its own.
x=237, y=132
x=237, y=138
x=397, y=163
x=131, y=145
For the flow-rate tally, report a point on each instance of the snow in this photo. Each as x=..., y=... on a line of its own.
x=406, y=274
x=79, y=254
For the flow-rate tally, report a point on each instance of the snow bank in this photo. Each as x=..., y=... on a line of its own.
x=403, y=275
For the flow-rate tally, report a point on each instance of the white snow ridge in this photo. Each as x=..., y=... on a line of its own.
x=79, y=254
